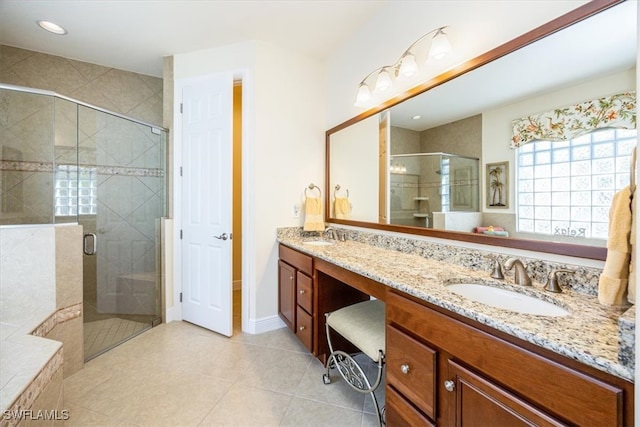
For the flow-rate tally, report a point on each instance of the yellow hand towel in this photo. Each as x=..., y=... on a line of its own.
x=613, y=283
x=313, y=220
x=342, y=208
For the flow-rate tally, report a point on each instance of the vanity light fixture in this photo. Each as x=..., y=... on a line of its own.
x=406, y=67
x=52, y=28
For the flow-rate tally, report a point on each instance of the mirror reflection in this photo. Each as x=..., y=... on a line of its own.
x=444, y=159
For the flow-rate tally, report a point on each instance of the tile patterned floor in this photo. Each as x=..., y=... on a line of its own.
x=178, y=374
x=104, y=334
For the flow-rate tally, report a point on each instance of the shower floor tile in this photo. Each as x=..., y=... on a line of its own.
x=102, y=335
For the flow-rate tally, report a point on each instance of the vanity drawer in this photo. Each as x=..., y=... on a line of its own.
x=304, y=327
x=305, y=292
x=401, y=413
x=411, y=369
x=296, y=259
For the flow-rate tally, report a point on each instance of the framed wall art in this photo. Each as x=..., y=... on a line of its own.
x=497, y=178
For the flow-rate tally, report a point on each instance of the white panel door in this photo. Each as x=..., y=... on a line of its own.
x=207, y=202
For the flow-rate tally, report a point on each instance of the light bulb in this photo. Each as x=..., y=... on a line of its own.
x=364, y=95
x=408, y=65
x=52, y=27
x=383, y=82
x=440, y=45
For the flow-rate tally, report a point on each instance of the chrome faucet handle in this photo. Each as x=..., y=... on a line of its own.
x=497, y=270
x=331, y=233
x=520, y=276
x=552, y=280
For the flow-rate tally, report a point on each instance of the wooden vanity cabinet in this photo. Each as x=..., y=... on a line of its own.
x=295, y=293
x=309, y=288
x=455, y=372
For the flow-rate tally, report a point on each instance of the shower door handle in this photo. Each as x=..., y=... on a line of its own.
x=90, y=249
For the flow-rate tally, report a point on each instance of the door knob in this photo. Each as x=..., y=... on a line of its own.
x=449, y=385
x=223, y=236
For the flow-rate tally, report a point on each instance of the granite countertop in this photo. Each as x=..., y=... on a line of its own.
x=589, y=334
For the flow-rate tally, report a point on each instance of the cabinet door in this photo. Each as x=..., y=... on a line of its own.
x=287, y=294
x=479, y=402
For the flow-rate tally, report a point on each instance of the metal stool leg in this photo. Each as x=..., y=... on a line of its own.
x=353, y=374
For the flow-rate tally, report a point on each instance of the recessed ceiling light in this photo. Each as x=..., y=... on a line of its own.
x=416, y=117
x=52, y=28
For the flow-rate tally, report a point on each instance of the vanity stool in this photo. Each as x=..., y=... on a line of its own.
x=363, y=325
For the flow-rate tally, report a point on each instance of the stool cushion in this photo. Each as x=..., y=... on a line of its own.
x=363, y=325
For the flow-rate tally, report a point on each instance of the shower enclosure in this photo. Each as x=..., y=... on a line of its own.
x=423, y=183
x=65, y=161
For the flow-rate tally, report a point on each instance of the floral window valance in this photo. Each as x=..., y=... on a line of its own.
x=616, y=111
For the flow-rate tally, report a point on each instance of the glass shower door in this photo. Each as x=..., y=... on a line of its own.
x=121, y=198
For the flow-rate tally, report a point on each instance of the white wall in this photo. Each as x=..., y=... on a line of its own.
x=476, y=26
x=283, y=151
x=354, y=166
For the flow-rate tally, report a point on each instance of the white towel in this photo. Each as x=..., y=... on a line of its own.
x=313, y=220
x=613, y=283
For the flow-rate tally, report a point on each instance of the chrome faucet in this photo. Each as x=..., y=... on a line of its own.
x=330, y=232
x=520, y=276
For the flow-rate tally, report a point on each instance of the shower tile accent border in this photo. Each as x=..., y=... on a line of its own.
x=21, y=166
x=31, y=393
x=60, y=316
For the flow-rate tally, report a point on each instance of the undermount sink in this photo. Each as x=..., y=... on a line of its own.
x=506, y=299
x=318, y=242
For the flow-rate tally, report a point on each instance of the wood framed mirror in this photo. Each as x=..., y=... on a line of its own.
x=367, y=159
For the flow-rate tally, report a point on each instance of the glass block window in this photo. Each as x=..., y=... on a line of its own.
x=76, y=190
x=565, y=188
x=445, y=196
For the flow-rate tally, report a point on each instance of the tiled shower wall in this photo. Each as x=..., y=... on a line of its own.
x=35, y=130
x=123, y=92
x=29, y=125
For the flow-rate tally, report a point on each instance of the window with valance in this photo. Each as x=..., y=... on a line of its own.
x=562, y=124
x=570, y=163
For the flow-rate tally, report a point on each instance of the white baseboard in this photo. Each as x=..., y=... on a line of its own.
x=266, y=324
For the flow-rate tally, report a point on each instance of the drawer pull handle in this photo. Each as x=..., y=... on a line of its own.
x=449, y=385
x=301, y=291
x=405, y=369
x=302, y=328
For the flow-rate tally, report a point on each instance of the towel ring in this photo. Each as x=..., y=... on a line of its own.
x=312, y=186
x=335, y=191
